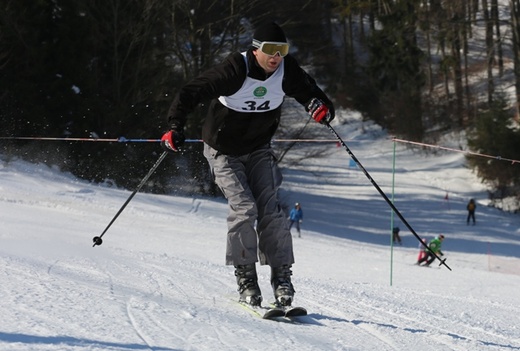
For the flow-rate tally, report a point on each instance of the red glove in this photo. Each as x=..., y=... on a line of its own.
x=172, y=140
x=319, y=111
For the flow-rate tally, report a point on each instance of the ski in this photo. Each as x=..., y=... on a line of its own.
x=263, y=311
x=274, y=312
x=296, y=311
x=290, y=311
x=284, y=313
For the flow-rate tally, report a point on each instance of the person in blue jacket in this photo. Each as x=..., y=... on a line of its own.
x=296, y=216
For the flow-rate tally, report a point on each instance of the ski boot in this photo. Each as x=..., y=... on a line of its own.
x=282, y=286
x=248, y=288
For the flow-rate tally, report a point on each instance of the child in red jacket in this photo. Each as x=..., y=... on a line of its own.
x=422, y=250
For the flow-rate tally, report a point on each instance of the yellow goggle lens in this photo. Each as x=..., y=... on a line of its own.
x=272, y=48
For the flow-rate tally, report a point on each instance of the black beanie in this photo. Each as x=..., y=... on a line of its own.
x=270, y=32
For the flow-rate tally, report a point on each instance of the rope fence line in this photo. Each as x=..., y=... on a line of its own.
x=125, y=140
x=112, y=140
x=499, y=158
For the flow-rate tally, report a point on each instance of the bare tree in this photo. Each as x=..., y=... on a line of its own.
x=515, y=28
x=495, y=17
x=490, y=50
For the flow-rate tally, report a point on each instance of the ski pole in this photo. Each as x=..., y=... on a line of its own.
x=97, y=239
x=396, y=211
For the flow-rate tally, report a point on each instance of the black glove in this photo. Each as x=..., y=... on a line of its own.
x=172, y=140
x=319, y=111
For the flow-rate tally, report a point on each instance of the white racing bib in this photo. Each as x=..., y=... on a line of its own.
x=257, y=95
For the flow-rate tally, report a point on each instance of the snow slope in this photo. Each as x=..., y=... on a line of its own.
x=159, y=281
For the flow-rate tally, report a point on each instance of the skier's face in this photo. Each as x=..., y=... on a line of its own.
x=267, y=62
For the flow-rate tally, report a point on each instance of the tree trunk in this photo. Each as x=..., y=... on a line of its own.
x=490, y=50
x=515, y=28
x=496, y=22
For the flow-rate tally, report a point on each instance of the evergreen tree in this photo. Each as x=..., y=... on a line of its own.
x=495, y=135
x=395, y=69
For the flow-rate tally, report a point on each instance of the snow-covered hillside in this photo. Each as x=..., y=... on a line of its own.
x=159, y=281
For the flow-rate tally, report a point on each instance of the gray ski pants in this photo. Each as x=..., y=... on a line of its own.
x=250, y=184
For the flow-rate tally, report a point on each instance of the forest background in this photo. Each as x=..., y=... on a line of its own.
x=110, y=69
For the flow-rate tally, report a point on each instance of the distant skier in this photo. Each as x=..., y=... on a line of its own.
x=423, y=251
x=471, y=207
x=395, y=235
x=296, y=216
x=435, y=247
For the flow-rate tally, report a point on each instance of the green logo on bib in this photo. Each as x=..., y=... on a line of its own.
x=260, y=91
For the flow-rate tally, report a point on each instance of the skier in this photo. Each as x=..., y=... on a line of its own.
x=247, y=91
x=395, y=235
x=471, y=207
x=296, y=216
x=422, y=250
x=435, y=246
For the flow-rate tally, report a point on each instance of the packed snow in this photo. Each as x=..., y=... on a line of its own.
x=159, y=282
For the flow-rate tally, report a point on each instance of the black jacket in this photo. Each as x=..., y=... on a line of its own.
x=229, y=131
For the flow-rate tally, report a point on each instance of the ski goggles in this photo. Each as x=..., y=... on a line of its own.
x=271, y=48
